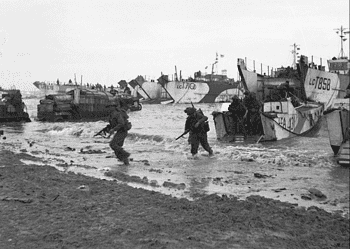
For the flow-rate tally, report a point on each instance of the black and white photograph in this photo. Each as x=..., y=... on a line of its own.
x=174, y=124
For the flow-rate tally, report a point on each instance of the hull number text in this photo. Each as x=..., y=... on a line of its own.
x=287, y=123
x=186, y=85
x=321, y=83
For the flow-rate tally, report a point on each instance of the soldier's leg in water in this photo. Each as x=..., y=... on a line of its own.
x=114, y=144
x=117, y=145
x=189, y=137
x=194, y=144
x=203, y=139
x=124, y=154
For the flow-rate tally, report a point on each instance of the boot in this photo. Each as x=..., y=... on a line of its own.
x=126, y=161
x=195, y=156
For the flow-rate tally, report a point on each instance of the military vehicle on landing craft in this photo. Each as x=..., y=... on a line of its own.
x=12, y=108
x=81, y=104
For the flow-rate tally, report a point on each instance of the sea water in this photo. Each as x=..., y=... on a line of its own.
x=283, y=170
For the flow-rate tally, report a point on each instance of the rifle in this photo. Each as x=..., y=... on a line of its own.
x=195, y=108
x=183, y=134
x=103, y=132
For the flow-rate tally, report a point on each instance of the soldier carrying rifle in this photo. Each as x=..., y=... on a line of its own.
x=120, y=124
x=104, y=131
x=197, y=126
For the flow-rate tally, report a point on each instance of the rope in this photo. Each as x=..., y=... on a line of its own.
x=281, y=125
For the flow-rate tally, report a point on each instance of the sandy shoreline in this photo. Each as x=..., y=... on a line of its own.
x=46, y=208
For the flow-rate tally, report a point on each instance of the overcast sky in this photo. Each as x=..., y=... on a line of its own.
x=111, y=40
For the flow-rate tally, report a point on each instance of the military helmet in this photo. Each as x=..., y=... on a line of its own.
x=190, y=110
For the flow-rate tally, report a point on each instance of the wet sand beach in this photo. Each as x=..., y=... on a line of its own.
x=61, y=187
x=46, y=208
x=300, y=170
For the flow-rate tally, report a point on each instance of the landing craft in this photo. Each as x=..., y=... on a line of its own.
x=284, y=110
x=205, y=89
x=202, y=88
x=150, y=91
x=58, y=87
x=326, y=86
x=53, y=88
x=332, y=88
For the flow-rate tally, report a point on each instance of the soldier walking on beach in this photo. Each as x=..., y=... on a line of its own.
x=198, y=127
x=120, y=124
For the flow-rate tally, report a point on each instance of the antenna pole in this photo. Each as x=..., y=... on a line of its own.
x=342, y=31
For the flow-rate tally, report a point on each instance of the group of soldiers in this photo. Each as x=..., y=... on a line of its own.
x=245, y=114
x=196, y=125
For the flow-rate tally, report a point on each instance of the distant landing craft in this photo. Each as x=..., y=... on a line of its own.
x=202, y=88
x=54, y=88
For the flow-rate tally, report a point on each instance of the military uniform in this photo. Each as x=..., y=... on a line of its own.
x=238, y=112
x=253, y=121
x=118, y=121
x=195, y=123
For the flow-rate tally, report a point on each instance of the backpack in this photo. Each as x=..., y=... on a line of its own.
x=206, y=126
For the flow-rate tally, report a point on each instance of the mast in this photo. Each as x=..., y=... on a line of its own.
x=212, y=67
x=295, y=54
x=341, y=32
x=176, y=79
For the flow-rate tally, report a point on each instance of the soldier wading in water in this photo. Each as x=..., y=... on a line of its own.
x=120, y=124
x=197, y=126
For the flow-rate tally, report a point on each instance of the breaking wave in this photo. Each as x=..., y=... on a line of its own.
x=137, y=137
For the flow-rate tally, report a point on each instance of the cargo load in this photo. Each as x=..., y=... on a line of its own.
x=79, y=104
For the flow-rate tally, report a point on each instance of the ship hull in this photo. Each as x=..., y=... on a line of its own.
x=324, y=87
x=50, y=88
x=282, y=114
x=148, y=91
x=201, y=92
x=330, y=87
x=338, y=124
x=275, y=125
x=21, y=118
